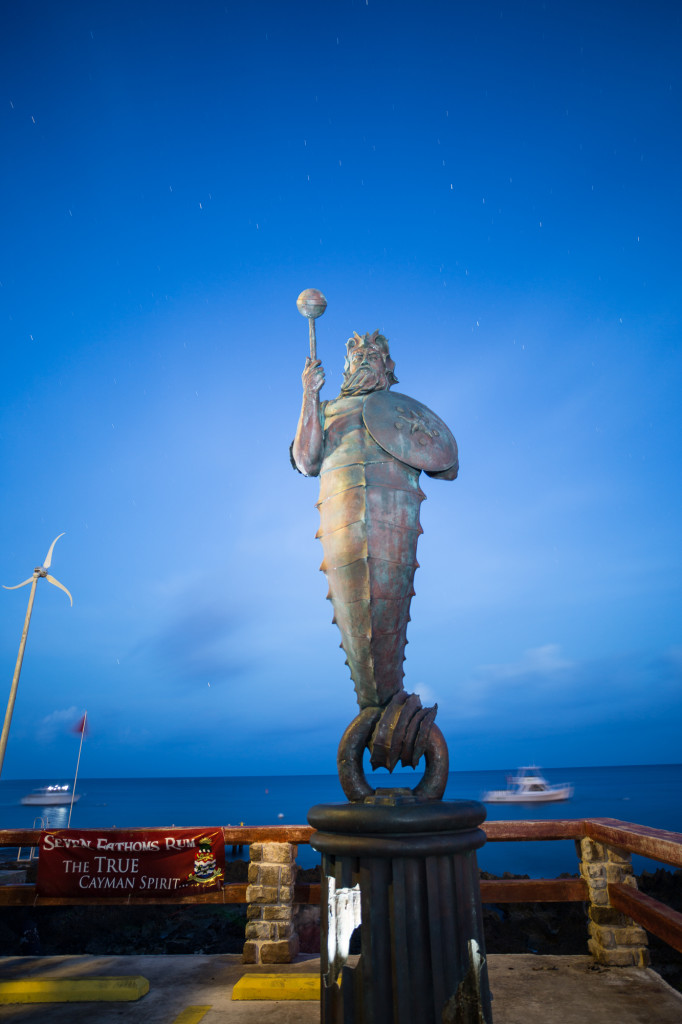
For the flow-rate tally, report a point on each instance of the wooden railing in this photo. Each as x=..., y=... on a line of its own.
x=656, y=844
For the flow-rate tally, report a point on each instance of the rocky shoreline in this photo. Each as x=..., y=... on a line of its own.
x=541, y=928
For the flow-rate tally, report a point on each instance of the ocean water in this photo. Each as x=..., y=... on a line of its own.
x=645, y=794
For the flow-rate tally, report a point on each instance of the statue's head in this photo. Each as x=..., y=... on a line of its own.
x=368, y=366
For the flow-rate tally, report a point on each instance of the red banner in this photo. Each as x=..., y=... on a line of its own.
x=140, y=862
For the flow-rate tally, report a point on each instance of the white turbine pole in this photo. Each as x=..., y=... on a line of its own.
x=17, y=671
x=38, y=572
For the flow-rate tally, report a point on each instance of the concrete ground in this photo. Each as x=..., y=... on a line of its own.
x=526, y=989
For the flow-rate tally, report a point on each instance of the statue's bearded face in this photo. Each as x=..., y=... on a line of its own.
x=367, y=366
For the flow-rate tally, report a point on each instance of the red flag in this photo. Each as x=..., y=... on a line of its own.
x=79, y=728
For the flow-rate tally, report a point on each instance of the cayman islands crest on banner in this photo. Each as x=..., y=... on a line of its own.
x=206, y=868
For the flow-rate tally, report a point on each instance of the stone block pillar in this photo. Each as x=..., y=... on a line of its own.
x=270, y=934
x=615, y=939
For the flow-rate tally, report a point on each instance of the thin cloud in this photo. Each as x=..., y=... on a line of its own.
x=544, y=660
x=52, y=725
x=544, y=691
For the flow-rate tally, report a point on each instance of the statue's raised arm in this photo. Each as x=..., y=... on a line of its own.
x=308, y=446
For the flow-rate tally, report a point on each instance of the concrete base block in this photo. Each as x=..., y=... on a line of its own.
x=277, y=986
x=74, y=990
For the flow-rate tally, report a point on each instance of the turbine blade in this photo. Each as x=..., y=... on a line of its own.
x=48, y=558
x=61, y=586
x=29, y=580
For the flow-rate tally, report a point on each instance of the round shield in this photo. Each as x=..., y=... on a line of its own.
x=409, y=431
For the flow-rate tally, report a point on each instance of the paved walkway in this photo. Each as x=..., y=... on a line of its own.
x=526, y=989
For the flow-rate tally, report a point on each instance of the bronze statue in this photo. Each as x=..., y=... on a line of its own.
x=369, y=446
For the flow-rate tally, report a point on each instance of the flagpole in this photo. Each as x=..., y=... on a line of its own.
x=73, y=791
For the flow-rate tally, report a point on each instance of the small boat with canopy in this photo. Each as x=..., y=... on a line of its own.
x=528, y=786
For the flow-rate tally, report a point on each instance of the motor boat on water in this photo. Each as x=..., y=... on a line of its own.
x=50, y=796
x=528, y=786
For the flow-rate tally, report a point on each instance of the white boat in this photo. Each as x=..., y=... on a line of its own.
x=49, y=796
x=528, y=786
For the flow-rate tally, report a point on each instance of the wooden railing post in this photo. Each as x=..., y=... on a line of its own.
x=270, y=934
x=615, y=940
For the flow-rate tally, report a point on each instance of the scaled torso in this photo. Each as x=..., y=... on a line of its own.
x=369, y=528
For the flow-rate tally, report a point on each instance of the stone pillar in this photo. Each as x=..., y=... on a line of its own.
x=270, y=934
x=615, y=939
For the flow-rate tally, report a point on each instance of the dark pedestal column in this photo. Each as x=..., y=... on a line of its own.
x=405, y=873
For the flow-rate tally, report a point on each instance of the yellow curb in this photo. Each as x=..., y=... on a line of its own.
x=192, y=1015
x=74, y=990
x=277, y=986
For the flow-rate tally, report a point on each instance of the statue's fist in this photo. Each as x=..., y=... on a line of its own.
x=313, y=376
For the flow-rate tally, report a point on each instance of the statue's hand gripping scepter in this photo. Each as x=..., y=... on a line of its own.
x=306, y=450
x=311, y=303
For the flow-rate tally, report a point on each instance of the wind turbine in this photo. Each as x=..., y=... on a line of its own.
x=38, y=572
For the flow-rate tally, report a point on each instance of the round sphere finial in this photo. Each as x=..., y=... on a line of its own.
x=311, y=303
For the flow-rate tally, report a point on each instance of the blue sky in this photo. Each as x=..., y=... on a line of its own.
x=495, y=187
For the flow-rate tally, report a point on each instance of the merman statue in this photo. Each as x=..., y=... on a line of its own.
x=369, y=446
